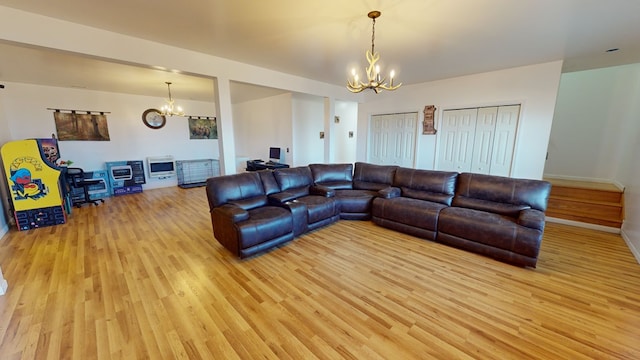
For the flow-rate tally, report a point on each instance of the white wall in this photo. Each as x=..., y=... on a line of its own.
x=4, y=137
x=596, y=135
x=25, y=108
x=261, y=124
x=344, y=147
x=4, y=227
x=293, y=121
x=593, y=113
x=307, y=123
x=535, y=87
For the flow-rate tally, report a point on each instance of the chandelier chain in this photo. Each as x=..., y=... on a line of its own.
x=169, y=88
x=373, y=36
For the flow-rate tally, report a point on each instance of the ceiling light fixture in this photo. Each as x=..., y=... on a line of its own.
x=169, y=109
x=375, y=81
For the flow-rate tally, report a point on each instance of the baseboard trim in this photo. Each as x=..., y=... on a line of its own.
x=4, y=285
x=4, y=230
x=608, y=229
x=634, y=250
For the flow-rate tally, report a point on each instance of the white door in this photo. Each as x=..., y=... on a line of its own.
x=457, y=134
x=392, y=139
x=483, y=143
x=478, y=140
x=505, y=139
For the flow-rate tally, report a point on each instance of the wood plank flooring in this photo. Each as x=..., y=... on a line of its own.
x=141, y=277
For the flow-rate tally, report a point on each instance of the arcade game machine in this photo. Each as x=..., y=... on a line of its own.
x=34, y=182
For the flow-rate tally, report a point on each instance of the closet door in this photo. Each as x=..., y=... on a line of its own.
x=457, y=134
x=478, y=140
x=483, y=143
x=392, y=139
x=505, y=139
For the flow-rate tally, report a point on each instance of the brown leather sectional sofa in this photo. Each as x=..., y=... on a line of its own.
x=499, y=217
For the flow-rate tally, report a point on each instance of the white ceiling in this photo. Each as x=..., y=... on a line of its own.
x=422, y=40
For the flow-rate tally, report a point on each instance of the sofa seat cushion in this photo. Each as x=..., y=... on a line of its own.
x=318, y=207
x=491, y=229
x=418, y=213
x=265, y=223
x=355, y=201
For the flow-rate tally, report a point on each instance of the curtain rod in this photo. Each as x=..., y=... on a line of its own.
x=80, y=111
x=202, y=117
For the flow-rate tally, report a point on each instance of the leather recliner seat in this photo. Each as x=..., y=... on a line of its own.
x=243, y=220
x=311, y=206
x=499, y=217
x=354, y=190
x=415, y=201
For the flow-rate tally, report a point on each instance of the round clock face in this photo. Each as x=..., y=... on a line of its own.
x=153, y=118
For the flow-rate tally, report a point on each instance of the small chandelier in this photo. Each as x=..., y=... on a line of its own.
x=169, y=109
x=375, y=81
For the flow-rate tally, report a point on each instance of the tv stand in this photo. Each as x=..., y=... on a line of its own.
x=253, y=165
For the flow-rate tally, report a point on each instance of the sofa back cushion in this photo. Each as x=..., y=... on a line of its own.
x=269, y=182
x=502, y=195
x=296, y=178
x=436, y=186
x=373, y=177
x=245, y=190
x=334, y=176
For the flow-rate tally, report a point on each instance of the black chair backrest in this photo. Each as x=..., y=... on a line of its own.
x=75, y=176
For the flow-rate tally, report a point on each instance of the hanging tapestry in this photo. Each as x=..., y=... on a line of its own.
x=73, y=126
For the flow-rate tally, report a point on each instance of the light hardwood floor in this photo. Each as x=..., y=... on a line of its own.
x=141, y=277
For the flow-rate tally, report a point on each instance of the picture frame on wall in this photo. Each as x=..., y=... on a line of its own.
x=428, y=124
x=203, y=127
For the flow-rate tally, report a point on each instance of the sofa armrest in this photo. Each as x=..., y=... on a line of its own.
x=322, y=191
x=531, y=218
x=232, y=212
x=282, y=197
x=389, y=192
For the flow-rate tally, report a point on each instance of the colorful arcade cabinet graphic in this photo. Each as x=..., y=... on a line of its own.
x=33, y=183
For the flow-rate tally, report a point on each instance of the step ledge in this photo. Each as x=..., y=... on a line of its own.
x=584, y=219
x=608, y=229
x=584, y=179
x=586, y=201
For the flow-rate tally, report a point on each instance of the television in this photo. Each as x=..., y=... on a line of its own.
x=274, y=153
x=161, y=166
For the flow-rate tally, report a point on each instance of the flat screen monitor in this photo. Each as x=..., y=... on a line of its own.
x=274, y=153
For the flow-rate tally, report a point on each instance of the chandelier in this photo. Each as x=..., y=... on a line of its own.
x=169, y=109
x=375, y=81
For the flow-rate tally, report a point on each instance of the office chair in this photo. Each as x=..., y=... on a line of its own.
x=76, y=181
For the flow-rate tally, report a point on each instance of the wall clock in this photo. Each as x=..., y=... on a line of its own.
x=153, y=118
